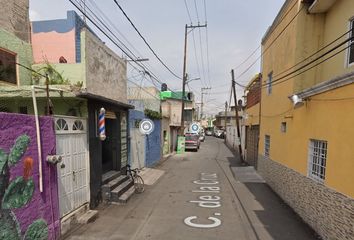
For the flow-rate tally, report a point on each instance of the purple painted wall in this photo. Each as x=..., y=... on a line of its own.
x=43, y=205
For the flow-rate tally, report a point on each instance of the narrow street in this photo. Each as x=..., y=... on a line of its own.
x=197, y=186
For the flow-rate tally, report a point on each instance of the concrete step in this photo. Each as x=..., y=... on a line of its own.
x=109, y=176
x=122, y=188
x=88, y=217
x=107, y=188
x=127, y=195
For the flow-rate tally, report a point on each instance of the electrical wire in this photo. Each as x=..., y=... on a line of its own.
x=143, y=38
x=315, y=53
x=281, y=79
x=271, y=44
x=142, y=66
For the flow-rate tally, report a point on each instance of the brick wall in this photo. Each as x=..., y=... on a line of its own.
x=329, y=213
x=14, y=18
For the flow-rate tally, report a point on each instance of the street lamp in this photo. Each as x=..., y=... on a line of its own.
x=138, y=60
x=189, y=80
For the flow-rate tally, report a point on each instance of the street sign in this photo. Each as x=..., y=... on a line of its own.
x=146, y=126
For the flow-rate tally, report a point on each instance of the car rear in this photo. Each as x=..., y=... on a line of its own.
x=192, y=142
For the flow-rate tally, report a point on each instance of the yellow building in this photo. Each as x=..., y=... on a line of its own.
x=307, y=100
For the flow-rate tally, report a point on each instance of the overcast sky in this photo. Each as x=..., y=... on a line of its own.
x=235, y=29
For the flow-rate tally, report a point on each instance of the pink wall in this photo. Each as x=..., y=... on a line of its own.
x=52, y=45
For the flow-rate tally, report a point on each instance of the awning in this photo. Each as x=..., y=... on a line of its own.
x=92, y=96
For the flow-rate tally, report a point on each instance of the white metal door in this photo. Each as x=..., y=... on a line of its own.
x=71, y=137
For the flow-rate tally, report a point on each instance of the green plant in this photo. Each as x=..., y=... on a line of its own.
x=152, y=114
x=54, y=76
x=17, y=193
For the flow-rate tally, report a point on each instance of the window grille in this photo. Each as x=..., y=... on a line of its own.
x=351, y=44
x=317, y=160
x=266, y=146
x=269, y=83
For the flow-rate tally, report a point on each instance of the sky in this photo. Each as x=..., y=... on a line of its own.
x=234, y=30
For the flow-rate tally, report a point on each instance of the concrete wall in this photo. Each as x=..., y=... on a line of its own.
x=106, y=73
x=22, y=49
x=53, y=39
x=34, y=212
x=328, y=212
x=14, y=18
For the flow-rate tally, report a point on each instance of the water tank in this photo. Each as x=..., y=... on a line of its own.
x=163, y=87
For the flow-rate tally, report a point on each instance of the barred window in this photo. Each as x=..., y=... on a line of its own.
x=317, y=160
x=269, y=83
x=266, y=145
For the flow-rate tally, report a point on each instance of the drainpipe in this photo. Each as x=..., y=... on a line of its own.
x=39, y=146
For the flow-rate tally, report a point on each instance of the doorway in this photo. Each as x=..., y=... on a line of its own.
x=110, y=146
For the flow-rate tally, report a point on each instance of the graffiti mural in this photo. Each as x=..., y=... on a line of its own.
x=17, y=193
x=25, y=212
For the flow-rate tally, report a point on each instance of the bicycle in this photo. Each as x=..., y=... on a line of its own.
x=139, y=184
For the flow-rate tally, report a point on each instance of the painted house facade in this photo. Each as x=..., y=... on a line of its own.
x=145, y=150
x=251, y=119
x=95, y=78
x=305, y=153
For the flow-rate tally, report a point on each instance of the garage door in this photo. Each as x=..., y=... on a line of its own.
x=72, y=145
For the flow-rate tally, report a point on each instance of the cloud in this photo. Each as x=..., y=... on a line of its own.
x=34, y=16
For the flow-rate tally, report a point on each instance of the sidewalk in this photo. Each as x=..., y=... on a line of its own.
x=271, y=216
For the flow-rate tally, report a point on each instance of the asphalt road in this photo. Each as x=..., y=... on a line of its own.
x=198, y=197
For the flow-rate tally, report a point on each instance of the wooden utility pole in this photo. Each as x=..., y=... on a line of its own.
x=237, y=118
x=184, y=79
x=225, y=120
x=202, y=104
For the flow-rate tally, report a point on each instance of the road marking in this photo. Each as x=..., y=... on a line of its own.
x=206, y=201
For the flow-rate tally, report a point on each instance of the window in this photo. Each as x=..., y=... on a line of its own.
x=269, y=83
x=78, y=125
x=266, y=146
x=8, y=67
x=61, y=125
x=317, y=160
x=351, y=44
x=283, y=127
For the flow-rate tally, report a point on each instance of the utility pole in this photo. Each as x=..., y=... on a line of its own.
x=184, y=79
x=237, y=118
x=225, y=120
x=202, y=103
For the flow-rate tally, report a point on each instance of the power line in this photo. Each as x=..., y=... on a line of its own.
x=196, y=10
x=277, y=81
x=189, y=14
x=143, y=38
x=265, y=50
x=315, y=53
x=142, y=66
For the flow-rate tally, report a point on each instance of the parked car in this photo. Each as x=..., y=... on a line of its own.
x=209, y=133
x=218, y=133
x=192, y=142
x=202, y=136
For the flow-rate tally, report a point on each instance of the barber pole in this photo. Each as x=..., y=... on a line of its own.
x=101, y=124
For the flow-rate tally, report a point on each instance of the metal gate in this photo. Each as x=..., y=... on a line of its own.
x=137, y=144
x=72, y=145
x=252, y=145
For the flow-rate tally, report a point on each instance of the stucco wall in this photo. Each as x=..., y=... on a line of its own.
x=52, y=39
x=23, y=51
x=153, y=145
x=328, y=212
x=105, y=72
x=14, y=18
x=35, y=206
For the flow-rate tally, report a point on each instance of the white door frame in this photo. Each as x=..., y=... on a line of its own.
x=73, y=126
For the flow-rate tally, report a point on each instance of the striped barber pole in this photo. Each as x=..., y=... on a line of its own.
x=101, y=124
